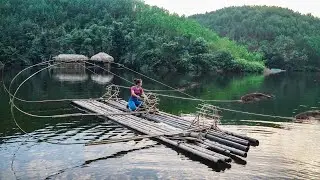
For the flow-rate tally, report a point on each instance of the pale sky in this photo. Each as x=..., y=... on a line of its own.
x=189, y=7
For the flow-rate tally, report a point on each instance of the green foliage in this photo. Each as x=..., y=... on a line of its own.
x=135, y=34
x=287, y=39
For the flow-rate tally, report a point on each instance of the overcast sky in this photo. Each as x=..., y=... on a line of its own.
x=189, y=7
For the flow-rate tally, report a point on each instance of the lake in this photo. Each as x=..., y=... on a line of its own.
x=287, y=150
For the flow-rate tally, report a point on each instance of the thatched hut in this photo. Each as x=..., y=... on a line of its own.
x=70, y=58
x=102, y=58
x=70, y=61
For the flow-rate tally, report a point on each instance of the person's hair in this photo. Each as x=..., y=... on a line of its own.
x=137, y=81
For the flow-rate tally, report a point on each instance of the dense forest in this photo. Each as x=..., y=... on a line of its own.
x=286, y=38
x=135, y=34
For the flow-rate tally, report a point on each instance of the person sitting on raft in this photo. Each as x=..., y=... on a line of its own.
x=135, y=100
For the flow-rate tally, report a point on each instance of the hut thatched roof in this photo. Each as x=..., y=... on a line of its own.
x=104, y=57
x=70, y=57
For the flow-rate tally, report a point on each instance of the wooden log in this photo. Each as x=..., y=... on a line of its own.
x=188, y=149
x=253, y=142
x=212, y=146
x=232, y=150
x=203, y=150
x=216, y=146
x=231, y=138
x=226, y=158
x=226, y=142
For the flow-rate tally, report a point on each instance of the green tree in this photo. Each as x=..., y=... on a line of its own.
x=286, y=38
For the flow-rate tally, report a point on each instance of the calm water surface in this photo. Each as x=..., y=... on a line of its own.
x=287, y=150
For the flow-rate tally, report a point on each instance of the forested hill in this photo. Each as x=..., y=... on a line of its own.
x=287, y=39
x=135, y=34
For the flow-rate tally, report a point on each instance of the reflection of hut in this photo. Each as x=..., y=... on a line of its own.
x=71, y=77
x=102, y=58
x=102, y=79
x=70, y=72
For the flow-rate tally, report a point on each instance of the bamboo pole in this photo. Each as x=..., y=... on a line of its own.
x=218, y=146
x=202, y=148
x=226, y=142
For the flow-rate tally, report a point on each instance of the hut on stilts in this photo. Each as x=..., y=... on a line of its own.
x=70, y=67
x=68, y=61
x=101, y=59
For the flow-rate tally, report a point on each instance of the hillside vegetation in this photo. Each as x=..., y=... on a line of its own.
x=286, y=38
x=135, y=34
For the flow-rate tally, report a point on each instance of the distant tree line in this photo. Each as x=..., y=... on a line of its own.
x=135, y=34
x=287, y=39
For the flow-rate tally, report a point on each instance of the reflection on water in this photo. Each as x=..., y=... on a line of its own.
x=102, y=79
x=70, y=72
x=282, y=154
x=78, y=72
x=286, y=151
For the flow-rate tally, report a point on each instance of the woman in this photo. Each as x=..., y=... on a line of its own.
x=136, y=93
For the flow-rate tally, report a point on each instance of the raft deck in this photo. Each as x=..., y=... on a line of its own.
x=214, y=146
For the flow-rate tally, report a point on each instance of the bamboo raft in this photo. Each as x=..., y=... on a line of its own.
x=212, y=145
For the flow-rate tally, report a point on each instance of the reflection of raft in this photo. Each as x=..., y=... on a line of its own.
x=308, y=115
x=254, y=97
